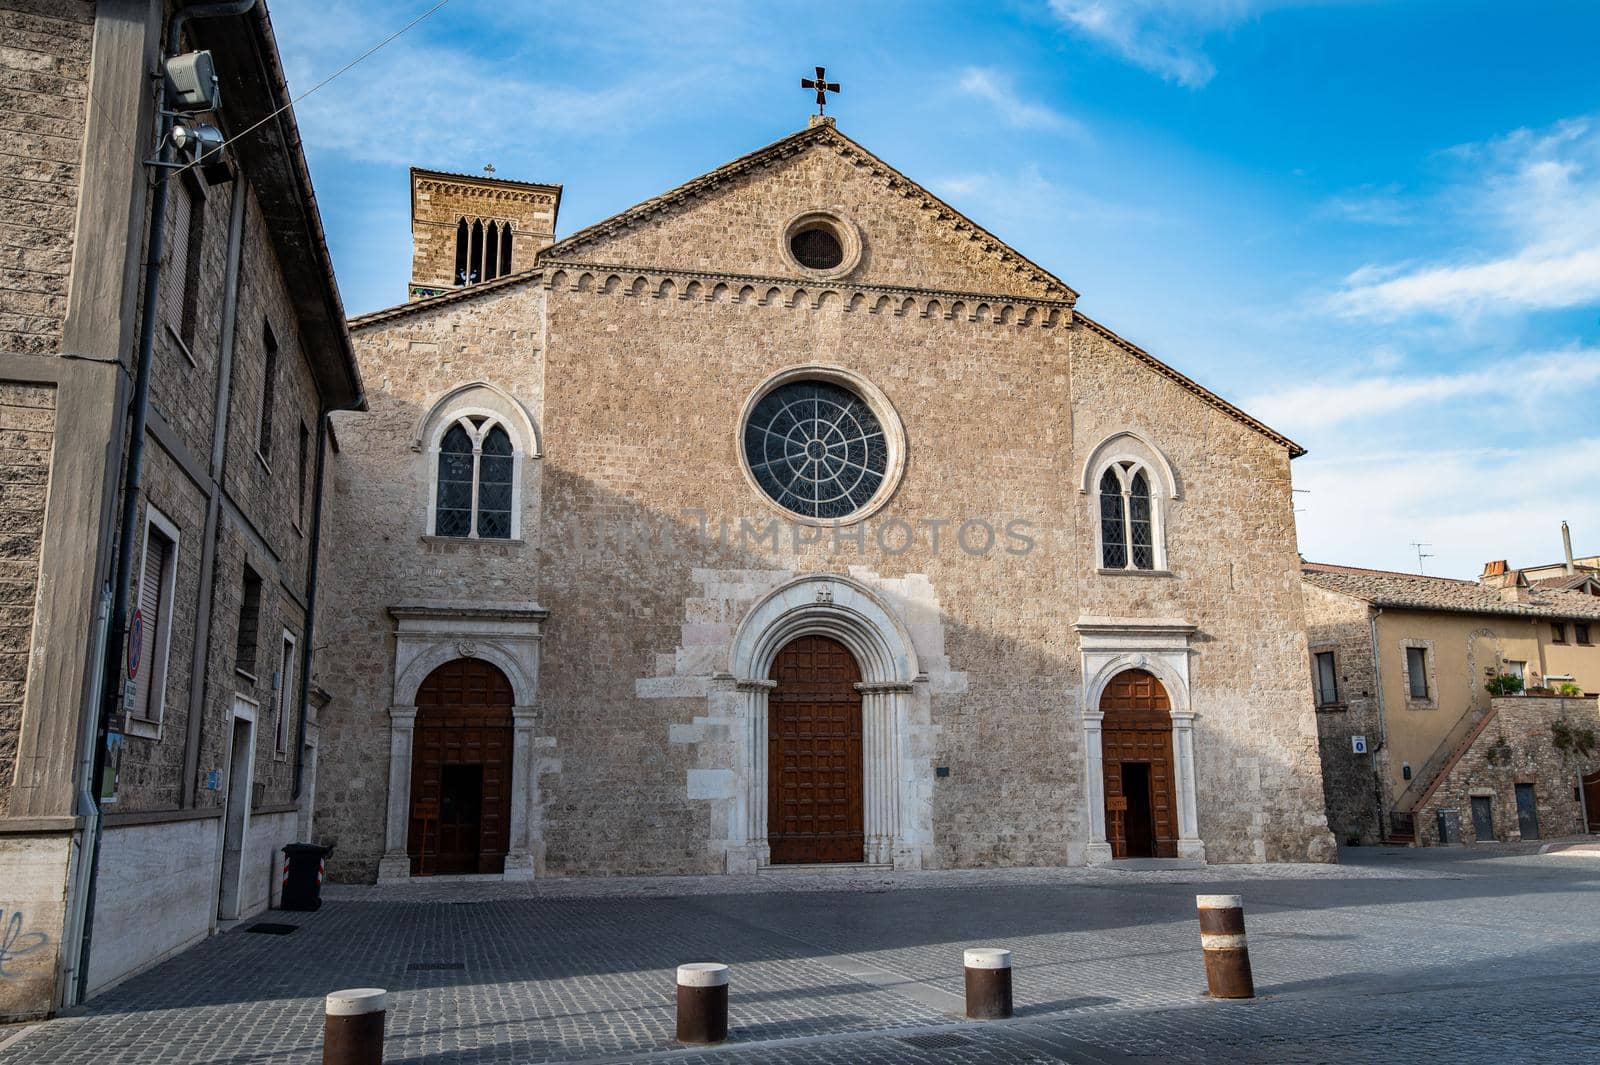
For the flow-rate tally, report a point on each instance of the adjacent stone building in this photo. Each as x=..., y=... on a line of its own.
x=1401, y=666
x=791, y=518
x=207, y=772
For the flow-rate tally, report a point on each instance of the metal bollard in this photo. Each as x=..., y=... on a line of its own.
x=1222, y=938
x=352, y=1026
x=702, y=1002
x=988, y=972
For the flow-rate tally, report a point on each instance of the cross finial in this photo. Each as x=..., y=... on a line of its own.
x=488, y=168
x=822, y=85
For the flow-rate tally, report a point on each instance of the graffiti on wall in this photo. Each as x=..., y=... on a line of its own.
x=14, y=942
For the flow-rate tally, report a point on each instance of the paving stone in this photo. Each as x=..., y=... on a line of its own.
x=1446, y=955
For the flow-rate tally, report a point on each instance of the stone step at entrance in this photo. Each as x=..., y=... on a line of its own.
x=826, y=869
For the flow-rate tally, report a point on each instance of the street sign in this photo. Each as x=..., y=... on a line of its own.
x=1358, y=744
x=135, y=643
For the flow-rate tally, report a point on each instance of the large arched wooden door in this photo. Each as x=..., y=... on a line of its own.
x=814, y=782
x=461, y=771
x=1136, y=754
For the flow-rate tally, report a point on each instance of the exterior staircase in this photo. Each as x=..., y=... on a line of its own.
x=1463, y=734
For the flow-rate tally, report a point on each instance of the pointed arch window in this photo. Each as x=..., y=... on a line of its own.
x=1128, y=511
x=475, y=491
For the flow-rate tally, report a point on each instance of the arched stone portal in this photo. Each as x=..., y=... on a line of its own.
x=1159, y=648
x=505, y=638
x=895, y=782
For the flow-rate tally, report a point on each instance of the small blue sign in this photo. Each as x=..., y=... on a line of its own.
x=213, y=780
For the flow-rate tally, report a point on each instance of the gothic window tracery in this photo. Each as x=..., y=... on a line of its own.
x=475, y=495
x=1127, y=518
x=816, y=449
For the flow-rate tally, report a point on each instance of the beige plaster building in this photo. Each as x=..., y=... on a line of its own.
x=1400, y=665
x=792, y=518
x=206, y=772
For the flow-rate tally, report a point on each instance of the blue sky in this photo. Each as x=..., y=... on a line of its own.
x=1375, y=225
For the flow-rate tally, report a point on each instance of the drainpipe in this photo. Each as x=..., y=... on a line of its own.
x=308, y=638
x=198, y=686
x=1383, y=727
x=133, y=476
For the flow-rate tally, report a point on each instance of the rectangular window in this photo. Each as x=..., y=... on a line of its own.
x=1558, y=632
x=1327, y=681
x=153, y=619
x=1518, y=670
x=305, y=457
x=1417, y=667
x=180, y=280
x=287, y=692
x=1580, y=632
x=244, y=659
x=269, y=389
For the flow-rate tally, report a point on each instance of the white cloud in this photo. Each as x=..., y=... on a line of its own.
x=1469, y=505
x=1528, y=208
x=1027, y=200
x=421, y=100
x=1370, y=206
x=1522, y=380
x=1165, y=37
x=996, y=88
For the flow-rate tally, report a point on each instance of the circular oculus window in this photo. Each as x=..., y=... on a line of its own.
x=821, y=244
x=818, y=450
x=816, y=249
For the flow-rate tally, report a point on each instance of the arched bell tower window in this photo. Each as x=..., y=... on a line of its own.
x=475, y=491
x=483, y=250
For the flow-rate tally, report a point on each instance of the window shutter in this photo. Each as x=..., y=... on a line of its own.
x=158, y=552
x=174, y=280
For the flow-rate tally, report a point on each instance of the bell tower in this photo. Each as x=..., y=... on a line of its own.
x=467, y=229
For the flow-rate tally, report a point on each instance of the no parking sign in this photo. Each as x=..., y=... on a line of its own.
x=135, y=643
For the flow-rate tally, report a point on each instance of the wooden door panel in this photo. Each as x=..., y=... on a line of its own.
x=1138, y=728
x=814, y=770
x=463, y=729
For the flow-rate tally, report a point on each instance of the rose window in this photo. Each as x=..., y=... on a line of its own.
x=816, y=449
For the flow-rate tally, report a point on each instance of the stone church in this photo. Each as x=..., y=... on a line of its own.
x=791, y=519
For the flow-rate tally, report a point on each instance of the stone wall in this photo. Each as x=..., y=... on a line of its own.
x=44, y=95
x=27, y=437
x=1350, y=781
x=1515, y=746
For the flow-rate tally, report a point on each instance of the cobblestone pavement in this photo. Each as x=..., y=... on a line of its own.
x=1452, y=955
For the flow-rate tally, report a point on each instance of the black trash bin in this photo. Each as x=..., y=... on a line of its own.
x=302, y=876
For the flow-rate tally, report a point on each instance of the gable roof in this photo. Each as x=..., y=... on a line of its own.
x=784, y=148
x=1411, y=591
x=817, y=134
x=1568, y=581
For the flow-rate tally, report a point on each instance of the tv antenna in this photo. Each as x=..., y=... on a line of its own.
x=1421, y=554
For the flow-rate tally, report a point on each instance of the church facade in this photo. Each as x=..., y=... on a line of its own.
x=788, y=519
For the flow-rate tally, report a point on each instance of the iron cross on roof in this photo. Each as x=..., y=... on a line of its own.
x=822, y=85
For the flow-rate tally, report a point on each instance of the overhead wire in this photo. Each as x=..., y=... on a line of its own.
x=369, y=53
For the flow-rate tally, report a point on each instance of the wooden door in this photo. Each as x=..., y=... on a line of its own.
x=1591, y=800
x=461, y=771
x=1136, y=743
x=814, y=782
x=1482, y=818
x=1527, y=812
